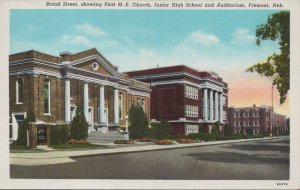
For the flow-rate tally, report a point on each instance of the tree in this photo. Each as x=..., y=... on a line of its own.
x=22, y=131
x=79, y=126
x=277, y=66
x=227, y=130
x=160, y=130
x=138, y=122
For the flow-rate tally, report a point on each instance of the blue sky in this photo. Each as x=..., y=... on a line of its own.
x=219, y=40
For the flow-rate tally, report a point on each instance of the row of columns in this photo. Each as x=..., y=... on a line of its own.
x=102, y=118
x=218, y=97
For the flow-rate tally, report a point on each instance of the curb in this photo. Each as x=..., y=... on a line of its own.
x=161, y=147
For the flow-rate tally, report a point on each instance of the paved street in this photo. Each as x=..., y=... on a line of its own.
x=265, y=159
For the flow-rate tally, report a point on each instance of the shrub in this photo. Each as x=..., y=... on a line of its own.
x=185, y=141
x=22, y=131
x=59, y=134
x=138, y=122
x=160, y=130
x=79, y=126
x=81, y=141
x=146, y=139
x=164, y=142
x=124, y=142
x=227, y=130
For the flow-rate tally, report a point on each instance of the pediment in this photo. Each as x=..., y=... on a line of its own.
x=95, y=66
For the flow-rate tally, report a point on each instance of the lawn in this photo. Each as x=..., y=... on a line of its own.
x=19, y=147
x=77, y=146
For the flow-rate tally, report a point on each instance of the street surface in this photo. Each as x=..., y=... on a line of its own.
x=256, y=160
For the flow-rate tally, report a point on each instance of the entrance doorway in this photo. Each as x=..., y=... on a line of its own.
x=17, y=121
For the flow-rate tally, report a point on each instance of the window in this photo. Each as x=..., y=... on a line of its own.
x=191, y=128
x=47, y=97
x=143, y=104
x=89, y=93
x=19, y=91
x=120, y=105
x=191, y=111
x=71, y=91
x=191, y=92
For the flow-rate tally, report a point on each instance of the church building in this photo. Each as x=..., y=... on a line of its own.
x=52, y=87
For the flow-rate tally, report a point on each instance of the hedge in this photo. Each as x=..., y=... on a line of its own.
x=59, y=134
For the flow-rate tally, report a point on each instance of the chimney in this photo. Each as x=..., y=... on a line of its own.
x=65, y=56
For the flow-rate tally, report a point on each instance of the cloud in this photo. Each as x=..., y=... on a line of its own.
x=90, y=29
x=242, y=36
x=204, y=39
x=77, y=39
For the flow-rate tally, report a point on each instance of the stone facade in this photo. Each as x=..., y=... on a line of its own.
x=191, y=100
x=52, y=87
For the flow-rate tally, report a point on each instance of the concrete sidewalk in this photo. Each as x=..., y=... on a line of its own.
x=65, y=156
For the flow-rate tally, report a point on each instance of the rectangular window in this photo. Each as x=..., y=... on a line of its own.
x=191, y=92
x=191, y=128
x=19, y=91
x=47, y=97
x=191, y=111
x=120, y=105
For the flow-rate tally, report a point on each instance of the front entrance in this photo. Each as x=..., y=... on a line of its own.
x=41, y=135
x=16, y=123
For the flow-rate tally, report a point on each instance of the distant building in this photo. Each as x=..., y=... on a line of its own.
x=256, y=119
x=191, y=100
x=52, y=87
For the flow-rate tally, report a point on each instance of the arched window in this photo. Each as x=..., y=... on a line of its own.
x=46, y=96
x=19, y=91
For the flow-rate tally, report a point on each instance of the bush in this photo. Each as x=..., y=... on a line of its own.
x=22, y=131
x=138, y=122
x=227, y=130
x=79, y=126
x=185, y=141
x=81, y=141
x=230, y=137
x=124, y=142
x=164, y=142
x=160, y=130
x=59, y=134
x=146, y=139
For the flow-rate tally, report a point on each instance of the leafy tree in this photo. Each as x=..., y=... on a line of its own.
x=227, y=130
x=160, y=130
x=22, y=131
x=277, y=66
x=79, y=126
x=59, y=134
x=138, y=122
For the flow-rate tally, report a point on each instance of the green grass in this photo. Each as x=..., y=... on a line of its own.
x=18, y=147
x=77, y=146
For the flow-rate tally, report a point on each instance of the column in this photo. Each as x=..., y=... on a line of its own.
x=86, y=101
x=205, y=104
x=116, y=105
x=102, y=118
x=211, y=98
x=216, y=106
x=67, y=101
x=221, y=108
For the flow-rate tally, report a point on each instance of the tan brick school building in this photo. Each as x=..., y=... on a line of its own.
x=53, y=86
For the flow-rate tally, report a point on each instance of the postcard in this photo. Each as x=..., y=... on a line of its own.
x=150, y=94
